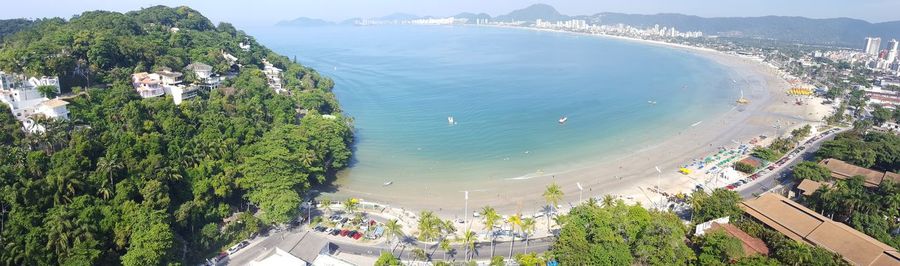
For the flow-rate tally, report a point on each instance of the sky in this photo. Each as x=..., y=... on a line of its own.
x=266, y=12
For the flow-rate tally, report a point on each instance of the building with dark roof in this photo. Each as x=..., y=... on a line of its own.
x=842, y=170
x=802, y=224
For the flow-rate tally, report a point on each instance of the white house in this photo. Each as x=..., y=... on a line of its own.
x=244, y=46
x=54, y=108
x=169, y=78
x=150, y=85
x=202, y=70
x=273, y=76
x=24, y=100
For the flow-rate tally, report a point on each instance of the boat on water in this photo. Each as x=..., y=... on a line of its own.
x=562, y=120
x=450, y=120
x=388, y=183
x=743, y=100
x=651, y=102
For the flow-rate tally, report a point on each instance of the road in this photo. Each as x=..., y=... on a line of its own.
x=774, y=178
x=287, y=240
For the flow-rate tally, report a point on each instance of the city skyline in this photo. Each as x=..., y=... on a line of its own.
x=265, y=12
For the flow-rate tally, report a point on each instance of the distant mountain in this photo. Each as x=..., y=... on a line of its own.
x=305, y=22
x=533, y=12
x=833, y=31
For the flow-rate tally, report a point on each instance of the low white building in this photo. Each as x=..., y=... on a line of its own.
x=151, y=85
x=203, y=71
x=273, y=76
x=206, y=77
x=54, y=108
x=148, y=85
x=24, y=100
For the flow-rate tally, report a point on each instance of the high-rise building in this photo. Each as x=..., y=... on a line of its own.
x=892, y=50
x=873, y=45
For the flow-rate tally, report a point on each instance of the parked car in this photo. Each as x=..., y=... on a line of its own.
x=729, y=187
x=350, y=233
x=344, y=232
x=237, y=247
x=357, y=236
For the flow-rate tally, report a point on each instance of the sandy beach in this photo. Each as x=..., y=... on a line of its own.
x=631, y=175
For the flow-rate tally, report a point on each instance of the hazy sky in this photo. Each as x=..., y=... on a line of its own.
x=263, y=12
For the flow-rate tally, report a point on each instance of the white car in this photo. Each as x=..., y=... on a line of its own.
x=238, y=246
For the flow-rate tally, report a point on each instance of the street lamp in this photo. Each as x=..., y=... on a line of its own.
x=580, y=191
x=466, y=211
x=658, y=190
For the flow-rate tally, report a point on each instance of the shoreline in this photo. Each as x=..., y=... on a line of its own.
x=629, y=175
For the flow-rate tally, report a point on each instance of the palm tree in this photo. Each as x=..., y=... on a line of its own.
x=552, y=195
x=393, y=229
x=468, y=242
x=351, y=204
x=59, y=231
x=527, y=227
x=418, y=254
x=447, y=228
x=429, y=226
x=514, y=221
x=326, y=204
x=608, y=201
x=109, y=166
x=592, y=202
x=169, y=173
x=445, y=246
x=490, y=219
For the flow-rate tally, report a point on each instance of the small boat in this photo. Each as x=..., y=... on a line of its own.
x=562, y=120
x=743, y=100
x=388, y=183
x=450, y=120
x=651, y=102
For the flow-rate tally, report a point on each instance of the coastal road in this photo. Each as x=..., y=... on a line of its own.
x=288, y=240
x=778, y=176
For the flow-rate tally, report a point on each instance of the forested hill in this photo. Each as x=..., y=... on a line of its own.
x=143, y=181
x=10, y=26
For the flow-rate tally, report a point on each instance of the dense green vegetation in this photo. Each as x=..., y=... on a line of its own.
x=620, y=234
x=720, y=203
x=871, y=150
x=875, y=212
x=811, y=171
x=744, y=167
x=145, y=182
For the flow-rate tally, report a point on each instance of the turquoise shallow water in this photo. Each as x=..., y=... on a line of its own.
x=506, y=89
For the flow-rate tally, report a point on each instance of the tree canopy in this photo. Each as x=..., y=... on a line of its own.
x=144, y=181
x=621, y=235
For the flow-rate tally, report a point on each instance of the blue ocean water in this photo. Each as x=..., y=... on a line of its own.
x=506, y=90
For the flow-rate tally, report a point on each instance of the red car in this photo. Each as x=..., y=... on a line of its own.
x=754, y=176
x=345, y=232
x=357, y=236
x=730, y=187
